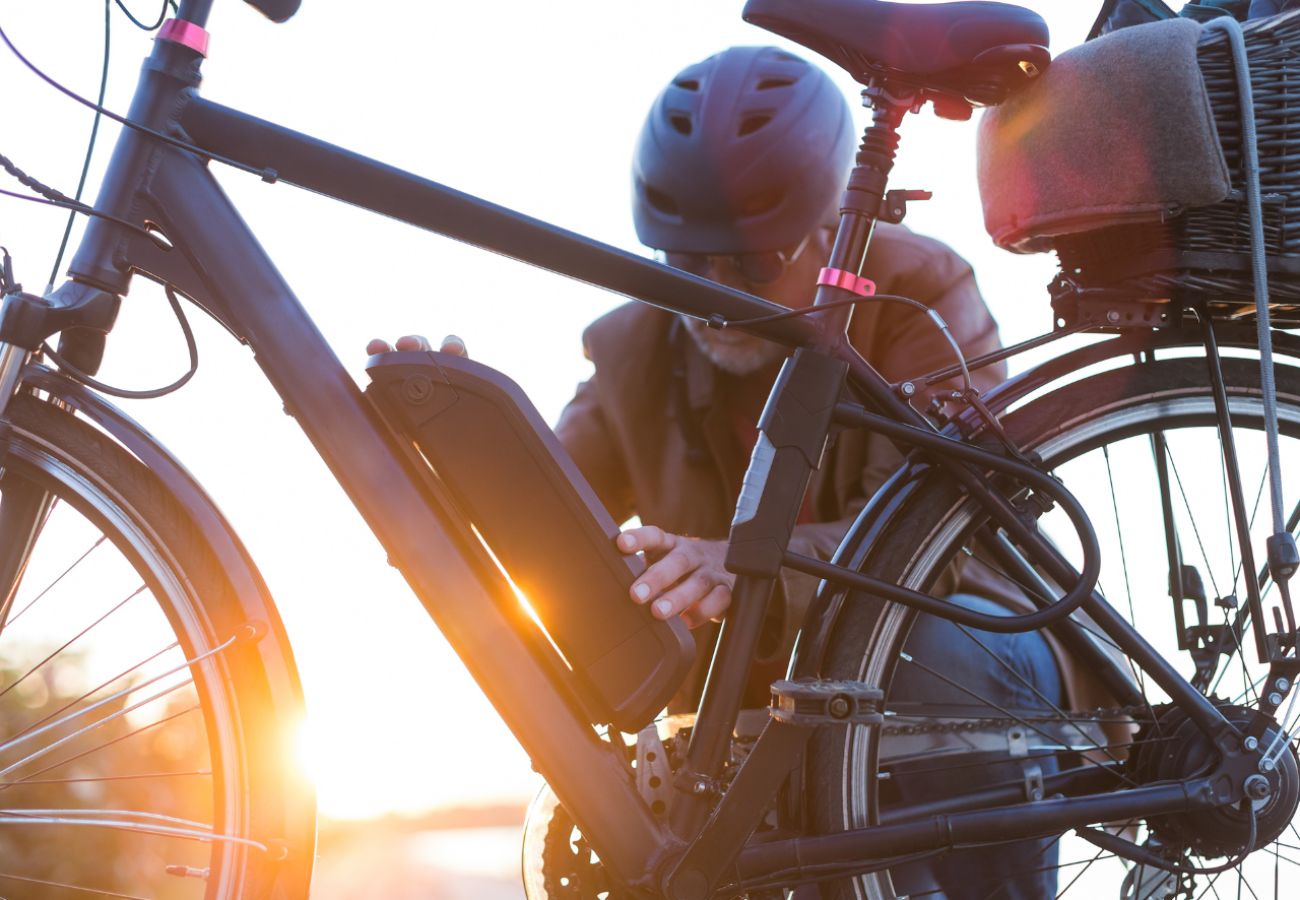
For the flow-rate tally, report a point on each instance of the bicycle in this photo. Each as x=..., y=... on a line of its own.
x=696, y=815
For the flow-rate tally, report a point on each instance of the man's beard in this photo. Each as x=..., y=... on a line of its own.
x=733, y=351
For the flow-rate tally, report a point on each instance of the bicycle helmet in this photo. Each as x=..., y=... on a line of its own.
x=745, y=152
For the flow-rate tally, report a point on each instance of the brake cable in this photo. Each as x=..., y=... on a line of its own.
x=88, y=380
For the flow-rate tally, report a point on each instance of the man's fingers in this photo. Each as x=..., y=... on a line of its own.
x=715, y=603
x=410, y=342
x=709, y=609
x=646, y=539
x=684, y=574
x=681, y=596
x=662, y=575
x=455, y=346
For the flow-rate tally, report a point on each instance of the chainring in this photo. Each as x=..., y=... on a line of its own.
x=558, y=862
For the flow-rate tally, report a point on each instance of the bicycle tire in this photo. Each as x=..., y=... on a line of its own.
x=143, y=756
x=1106, y=416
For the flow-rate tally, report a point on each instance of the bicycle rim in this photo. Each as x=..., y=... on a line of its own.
x=124, y=749
x=1099, y=436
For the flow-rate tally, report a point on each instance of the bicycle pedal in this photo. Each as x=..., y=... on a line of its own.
x=810, y=703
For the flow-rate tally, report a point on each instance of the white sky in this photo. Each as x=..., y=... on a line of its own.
x=532, y=105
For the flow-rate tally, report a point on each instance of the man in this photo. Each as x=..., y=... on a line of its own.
x=738, y=175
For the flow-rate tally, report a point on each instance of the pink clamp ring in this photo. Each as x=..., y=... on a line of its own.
x=863, y=287
x=178, y=31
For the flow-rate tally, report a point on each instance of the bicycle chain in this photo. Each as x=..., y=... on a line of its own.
x=957, y=726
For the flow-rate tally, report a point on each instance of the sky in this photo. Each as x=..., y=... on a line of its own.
x=532, y=105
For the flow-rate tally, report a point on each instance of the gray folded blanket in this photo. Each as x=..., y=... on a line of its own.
x=1117, y=130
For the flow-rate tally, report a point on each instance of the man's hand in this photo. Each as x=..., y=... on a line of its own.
x=685, y=576
x=450, y=344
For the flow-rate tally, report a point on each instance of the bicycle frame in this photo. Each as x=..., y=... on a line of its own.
x=213, y=258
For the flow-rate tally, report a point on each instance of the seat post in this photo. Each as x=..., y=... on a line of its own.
x=864, y=202
x=195, y=11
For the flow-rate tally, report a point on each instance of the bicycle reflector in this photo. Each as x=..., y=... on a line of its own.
x=543, y=527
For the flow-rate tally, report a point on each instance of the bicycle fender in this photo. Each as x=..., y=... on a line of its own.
x=823, y=613
x=250, y=590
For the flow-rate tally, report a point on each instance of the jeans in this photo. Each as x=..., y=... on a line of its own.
x=1030, y=679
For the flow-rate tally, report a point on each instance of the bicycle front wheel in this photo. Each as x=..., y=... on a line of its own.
x=1140, y=448
x=140, y=753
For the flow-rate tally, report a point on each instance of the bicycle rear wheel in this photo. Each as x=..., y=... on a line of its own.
x=140, y=753
x=1105, y=437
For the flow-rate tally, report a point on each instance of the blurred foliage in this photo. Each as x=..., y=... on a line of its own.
x=98, y=770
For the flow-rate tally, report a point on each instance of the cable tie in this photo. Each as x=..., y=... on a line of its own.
x=848, y=281
x=187, y=34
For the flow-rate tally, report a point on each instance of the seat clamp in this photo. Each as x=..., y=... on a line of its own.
x=179, y=31
x=863, y=287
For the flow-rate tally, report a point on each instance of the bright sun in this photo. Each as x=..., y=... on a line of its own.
x=453, y=751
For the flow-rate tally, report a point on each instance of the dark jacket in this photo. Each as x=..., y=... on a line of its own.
x=657, y=429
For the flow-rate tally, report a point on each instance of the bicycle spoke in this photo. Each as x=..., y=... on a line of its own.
x=99, y=687
x=1231, y=628
x=1282, y=856
x=1119, y=531
x=22, y=503
x=124, y=814
x=1250, y=692
x=1035, y=592
x=1254, y=512
x=24, y=736
x=1010, y=715
x=1210, y=568
x=1024, y=682
x=97, y=779
x=1242, y=882
x=1250, y=689
x=1191, y=516
x=137, y=592
x=49, y=587
x=70, y=887
x=194, y=831
x=1073, y=881
x=1043, y=851
x=1276, y=871
x=1210, y=886
x=117, y=740
x=98, y=723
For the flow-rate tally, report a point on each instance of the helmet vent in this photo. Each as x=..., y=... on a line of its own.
x=768, y=84
x=750, y=124
x=681, y=123
x=687, y=84
x=661, y=201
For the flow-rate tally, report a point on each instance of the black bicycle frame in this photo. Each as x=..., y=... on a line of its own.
x=215, y=260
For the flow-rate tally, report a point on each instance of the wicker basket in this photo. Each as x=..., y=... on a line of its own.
x=1202, y=257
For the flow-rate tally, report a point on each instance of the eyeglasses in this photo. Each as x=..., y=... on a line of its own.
x=753, y=268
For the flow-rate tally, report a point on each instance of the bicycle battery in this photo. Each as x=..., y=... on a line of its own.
x=504, y=467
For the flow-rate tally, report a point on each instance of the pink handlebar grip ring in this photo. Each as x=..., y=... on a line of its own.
x=178, y=31
x=863, y=287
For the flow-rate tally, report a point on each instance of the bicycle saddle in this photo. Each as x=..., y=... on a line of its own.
x=976, y=50
x=275, y=10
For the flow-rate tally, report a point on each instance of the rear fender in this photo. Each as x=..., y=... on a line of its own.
x=854, y=550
